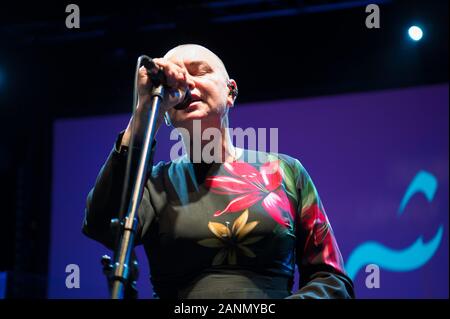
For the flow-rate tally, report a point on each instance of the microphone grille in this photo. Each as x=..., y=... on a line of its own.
x=186, y=101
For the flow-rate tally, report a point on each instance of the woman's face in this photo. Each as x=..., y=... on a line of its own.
x=207, y=80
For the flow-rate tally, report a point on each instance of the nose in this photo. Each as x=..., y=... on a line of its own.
x=190, y=81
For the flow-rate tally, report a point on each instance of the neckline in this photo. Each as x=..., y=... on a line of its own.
x=239, y=151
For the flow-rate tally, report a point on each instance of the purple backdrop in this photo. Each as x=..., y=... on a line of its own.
x=363, y=151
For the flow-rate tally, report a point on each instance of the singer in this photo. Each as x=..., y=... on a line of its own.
x=233, y=228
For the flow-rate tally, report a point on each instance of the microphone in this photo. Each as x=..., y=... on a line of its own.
x=158, y=77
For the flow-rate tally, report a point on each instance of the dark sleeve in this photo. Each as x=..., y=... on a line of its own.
x=104, y=199
x=318, y=258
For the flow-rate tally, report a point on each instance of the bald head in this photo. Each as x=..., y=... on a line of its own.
x=195, y=52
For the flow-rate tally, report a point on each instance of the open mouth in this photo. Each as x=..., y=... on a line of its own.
x=193, y=101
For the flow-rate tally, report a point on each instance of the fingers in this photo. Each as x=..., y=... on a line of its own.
x=144, y=81
x=176, y=80
x=175, y=75
x=142, y=71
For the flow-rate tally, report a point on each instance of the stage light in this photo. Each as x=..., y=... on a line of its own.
x=415, y=33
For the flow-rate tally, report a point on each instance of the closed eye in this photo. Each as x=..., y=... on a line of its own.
x=198, y=68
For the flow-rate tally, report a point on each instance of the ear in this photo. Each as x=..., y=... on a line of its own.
x=232, y=92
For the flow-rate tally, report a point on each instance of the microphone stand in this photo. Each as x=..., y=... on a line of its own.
x=122, y=275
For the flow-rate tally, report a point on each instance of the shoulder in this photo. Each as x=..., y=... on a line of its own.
x=167, y=166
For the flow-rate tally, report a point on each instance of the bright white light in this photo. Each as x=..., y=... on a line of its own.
x=415, y=33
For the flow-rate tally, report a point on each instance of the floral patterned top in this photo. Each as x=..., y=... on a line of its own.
x=248, y=218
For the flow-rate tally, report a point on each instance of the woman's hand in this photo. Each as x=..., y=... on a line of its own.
x=176, y=78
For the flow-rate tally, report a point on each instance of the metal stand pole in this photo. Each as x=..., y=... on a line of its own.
x=121, y=272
